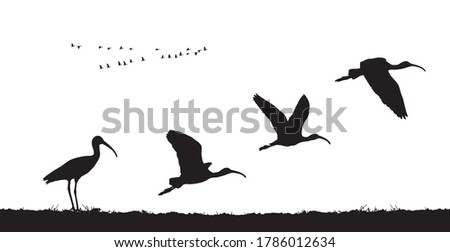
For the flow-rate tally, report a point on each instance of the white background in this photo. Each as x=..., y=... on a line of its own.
x=53, y=96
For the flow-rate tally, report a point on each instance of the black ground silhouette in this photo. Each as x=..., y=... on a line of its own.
x=376, y=72
x=77, y=167
x=193, y=169
x=352, y=221
x=289, y=132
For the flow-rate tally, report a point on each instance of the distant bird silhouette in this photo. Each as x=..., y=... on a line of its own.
x=124, y=63
x=195, y=53
x=187, y=53
x=157, y=49
x=77, y=168
x=181, y=54
x=168, y=56
x=119, y=63
x=176, y=56
x=142, y=58
x=162, y=56
x=188, y=49
x=289, y=132
x=101, y=67
x=100, y=47
x=121, y=47
x=131, y=49
x=131, y=61
x=204, y=48
x=376, y=72
x=107, y=66
x=109, y=48
x=193, y=170
x=72, y=45
x=79, y=47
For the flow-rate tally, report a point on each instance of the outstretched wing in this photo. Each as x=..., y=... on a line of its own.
x=388, y=90
x=298, y=117
x=189, y=151
x=276, y=117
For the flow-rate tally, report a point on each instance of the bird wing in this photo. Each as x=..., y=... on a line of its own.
x=71, y=169
x=388, y=90
x=276, y=117
x=189, y=151
x=298, y=117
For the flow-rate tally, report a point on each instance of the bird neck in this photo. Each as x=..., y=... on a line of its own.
x=96, y=148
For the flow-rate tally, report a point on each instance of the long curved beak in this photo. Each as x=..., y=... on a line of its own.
x=109, y=146
x=232, y=171
x=418, y=67
x=324, y=139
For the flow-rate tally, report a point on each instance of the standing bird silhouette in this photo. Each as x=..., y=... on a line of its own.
x=289, y=132
x=376, y=72
x=193, y=170
x=78, y=167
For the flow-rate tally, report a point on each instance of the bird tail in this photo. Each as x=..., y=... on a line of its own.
x=166, y=191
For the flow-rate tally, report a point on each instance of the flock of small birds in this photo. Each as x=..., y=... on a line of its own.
x=187, y=52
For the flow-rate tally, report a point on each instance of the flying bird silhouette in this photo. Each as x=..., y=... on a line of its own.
x=376, y=72
x=188, y=49
x=131, y=49
x=79, y=47
x=157, y=49
x=109, y=48
x=77, y=168
x=193, y=170
x=100, y=47
x=72, y=45
x=289, y=132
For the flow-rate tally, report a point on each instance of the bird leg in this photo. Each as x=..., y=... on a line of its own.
x=75, y=190
x=166, y=191
x=70, y=195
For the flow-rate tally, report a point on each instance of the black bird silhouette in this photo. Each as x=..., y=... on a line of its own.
x=77, y=168
x=79, y=47
x=121, y=47
x=100, y=47
x=107, y=66
x=101, y=67
x=168, y=56
x=376, y=72
x=162, y=56
x=124, y=63
x=131, y=61
x=142, y=58
x=109, y=48
x=131, y=49
x=188, y=49
x=204, y=48
x=193, y=170
x=289, y=132
x=181, y=54
x=195, y=53
x=187, y=53
x=119, y=63
x=72, y=45
x=176, y=56
x=157, y=49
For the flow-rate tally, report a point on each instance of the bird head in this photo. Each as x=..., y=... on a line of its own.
x=315, y=136
x=96, y=141
x=226, y=171
x=405, y=64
